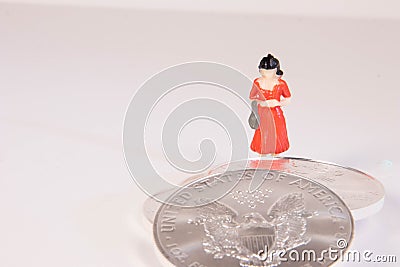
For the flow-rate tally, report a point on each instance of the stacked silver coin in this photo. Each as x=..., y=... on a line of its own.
x=280, y=212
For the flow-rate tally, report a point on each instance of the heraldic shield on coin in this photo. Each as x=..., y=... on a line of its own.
x=246, y=236
x=284, y=219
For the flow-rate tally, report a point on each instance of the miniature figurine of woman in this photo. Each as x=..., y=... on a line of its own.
x=270, y=92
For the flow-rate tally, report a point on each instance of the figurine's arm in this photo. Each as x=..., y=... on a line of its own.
x=287, y=96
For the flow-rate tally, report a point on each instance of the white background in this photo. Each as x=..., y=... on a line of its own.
x=67, y=74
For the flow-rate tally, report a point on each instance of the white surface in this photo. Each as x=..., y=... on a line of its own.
x=321, y=8
x=67, y=75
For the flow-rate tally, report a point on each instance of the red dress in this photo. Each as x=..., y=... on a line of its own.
x=271, y=135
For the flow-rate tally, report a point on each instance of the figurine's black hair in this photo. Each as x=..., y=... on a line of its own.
x=270, y=62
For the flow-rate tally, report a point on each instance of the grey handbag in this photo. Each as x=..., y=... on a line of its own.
x=254, y=117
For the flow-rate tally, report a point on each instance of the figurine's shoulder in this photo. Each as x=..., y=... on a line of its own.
x=282, y=82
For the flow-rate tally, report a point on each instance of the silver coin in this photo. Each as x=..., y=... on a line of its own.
x=151, y=205
x=362, y=193
x=287, y=221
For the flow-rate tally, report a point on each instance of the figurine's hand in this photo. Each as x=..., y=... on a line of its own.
x=285, y=101
x=270, y=103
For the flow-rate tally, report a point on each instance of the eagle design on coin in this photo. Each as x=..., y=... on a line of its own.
x=255, y=240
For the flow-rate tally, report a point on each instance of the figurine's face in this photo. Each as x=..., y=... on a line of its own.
x=268, y=73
